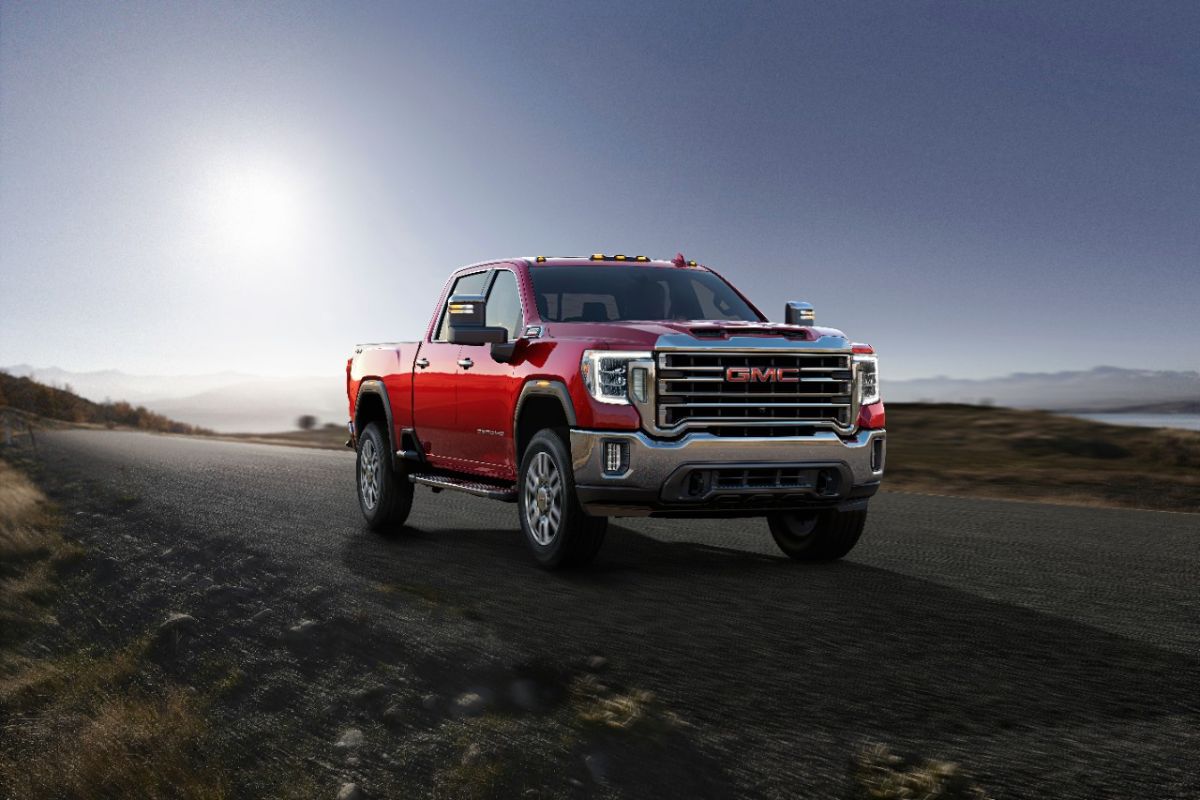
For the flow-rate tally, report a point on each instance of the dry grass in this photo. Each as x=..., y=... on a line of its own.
x=32, y=555
x=879, y=774
x=124, y=745
x=1034, y=455
x=88, y=724
x=635, y=710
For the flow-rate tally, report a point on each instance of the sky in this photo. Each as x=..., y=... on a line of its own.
x=973, y=188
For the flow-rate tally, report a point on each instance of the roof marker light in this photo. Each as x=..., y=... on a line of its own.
x=540, y=259
x=691, y=263
x=597, y=256
x=618, y=258
x=641, y=258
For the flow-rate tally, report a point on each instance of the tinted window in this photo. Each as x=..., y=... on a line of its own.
x=610, y=293
x=467, y=284
x=504, y=304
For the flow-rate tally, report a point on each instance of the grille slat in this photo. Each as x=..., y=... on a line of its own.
x=695, y=392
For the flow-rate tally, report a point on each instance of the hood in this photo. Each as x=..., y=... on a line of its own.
x=710, y=333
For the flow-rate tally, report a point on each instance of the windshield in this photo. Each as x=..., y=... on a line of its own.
x=614, y=294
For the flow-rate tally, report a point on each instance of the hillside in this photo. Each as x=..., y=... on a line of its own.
x=1035, y=455
x=29, y=396
x=229, y=402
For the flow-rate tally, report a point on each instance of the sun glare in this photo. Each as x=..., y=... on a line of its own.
x=259, y=211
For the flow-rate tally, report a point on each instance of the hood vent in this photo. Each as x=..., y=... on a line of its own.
x=714, y=332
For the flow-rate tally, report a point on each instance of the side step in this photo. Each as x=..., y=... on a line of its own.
x=477, y=488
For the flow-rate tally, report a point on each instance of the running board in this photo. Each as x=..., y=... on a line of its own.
x=477, y=488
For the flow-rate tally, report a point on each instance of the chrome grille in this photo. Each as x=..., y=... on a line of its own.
x=694, y=392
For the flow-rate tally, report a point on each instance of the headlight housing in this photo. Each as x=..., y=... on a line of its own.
x=867, y=369
x=606, y=373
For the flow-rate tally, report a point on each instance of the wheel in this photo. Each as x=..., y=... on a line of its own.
x=817, y=535
x=555, y=525
x=384, y=495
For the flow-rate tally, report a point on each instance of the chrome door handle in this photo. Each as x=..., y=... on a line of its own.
x=422, y=362
x=466, y=363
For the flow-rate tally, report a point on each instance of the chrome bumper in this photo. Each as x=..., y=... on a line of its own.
x=657, y=472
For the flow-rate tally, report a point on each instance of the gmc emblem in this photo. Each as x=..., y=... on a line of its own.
x=762, y=374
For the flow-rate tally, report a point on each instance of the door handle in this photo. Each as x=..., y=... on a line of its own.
x=422, y=362
x=466, y=363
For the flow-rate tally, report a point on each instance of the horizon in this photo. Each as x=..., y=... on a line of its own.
x=340, y=374
x=975, y=190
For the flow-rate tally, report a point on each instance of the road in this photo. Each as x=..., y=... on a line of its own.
x=1052, y=651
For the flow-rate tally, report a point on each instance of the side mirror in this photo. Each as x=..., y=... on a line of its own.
x=465, y=315
x=798, y=312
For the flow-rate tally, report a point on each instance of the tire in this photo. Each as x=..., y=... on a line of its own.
x=558, y=531
x=384, y=495
x=817, y=535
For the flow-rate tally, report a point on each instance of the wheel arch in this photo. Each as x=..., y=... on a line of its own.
x=542, y=404
x=373, y=405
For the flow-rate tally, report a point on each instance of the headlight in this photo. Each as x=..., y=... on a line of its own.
x=606, y=373
x=867, y=368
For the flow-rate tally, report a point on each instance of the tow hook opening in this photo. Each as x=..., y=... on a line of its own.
x=877, y=455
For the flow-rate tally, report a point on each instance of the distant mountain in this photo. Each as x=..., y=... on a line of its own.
x=227, y=402
x=1099, y=389
x=261, y=405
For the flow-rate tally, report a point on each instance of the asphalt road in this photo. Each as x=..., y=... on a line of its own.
x=1052, y=651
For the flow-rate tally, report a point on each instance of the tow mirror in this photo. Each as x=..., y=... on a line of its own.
x=466, y=315
x=798, y=312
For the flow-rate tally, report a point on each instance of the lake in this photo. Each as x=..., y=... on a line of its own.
x=1189, y=422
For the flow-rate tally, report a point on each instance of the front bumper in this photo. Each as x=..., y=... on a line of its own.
x=705, y=475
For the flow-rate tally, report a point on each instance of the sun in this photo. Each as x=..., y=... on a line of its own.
x=259, y=210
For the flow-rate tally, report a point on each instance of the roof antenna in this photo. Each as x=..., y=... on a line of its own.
x=679, y=260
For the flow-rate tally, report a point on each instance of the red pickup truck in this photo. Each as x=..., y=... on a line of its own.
x=587, y=388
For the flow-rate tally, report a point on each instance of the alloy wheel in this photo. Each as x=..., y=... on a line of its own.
x=368, y=474
x=543, y=498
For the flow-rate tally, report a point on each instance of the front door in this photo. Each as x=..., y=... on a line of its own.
x=487, y=389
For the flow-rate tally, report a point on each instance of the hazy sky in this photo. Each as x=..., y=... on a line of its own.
x=974, y=188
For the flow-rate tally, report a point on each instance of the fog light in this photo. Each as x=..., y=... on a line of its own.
x=638, y=381
x=616, y=457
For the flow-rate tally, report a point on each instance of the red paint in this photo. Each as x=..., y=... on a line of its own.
x=871, y=417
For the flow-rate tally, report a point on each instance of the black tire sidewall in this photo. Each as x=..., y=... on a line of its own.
x=563, y=548
x=833, y=536
x=392, y=496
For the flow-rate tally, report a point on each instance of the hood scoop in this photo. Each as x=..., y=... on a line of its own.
x=725, y=331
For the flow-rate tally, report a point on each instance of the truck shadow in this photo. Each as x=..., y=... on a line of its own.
x=761, y=655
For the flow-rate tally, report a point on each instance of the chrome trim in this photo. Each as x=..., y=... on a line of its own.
x=652, y=461
x=737, y=347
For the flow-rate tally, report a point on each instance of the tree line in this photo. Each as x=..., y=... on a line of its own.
x=26, y=394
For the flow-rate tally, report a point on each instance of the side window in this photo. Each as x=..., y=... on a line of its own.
x=467, y=284
x=504, y=304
